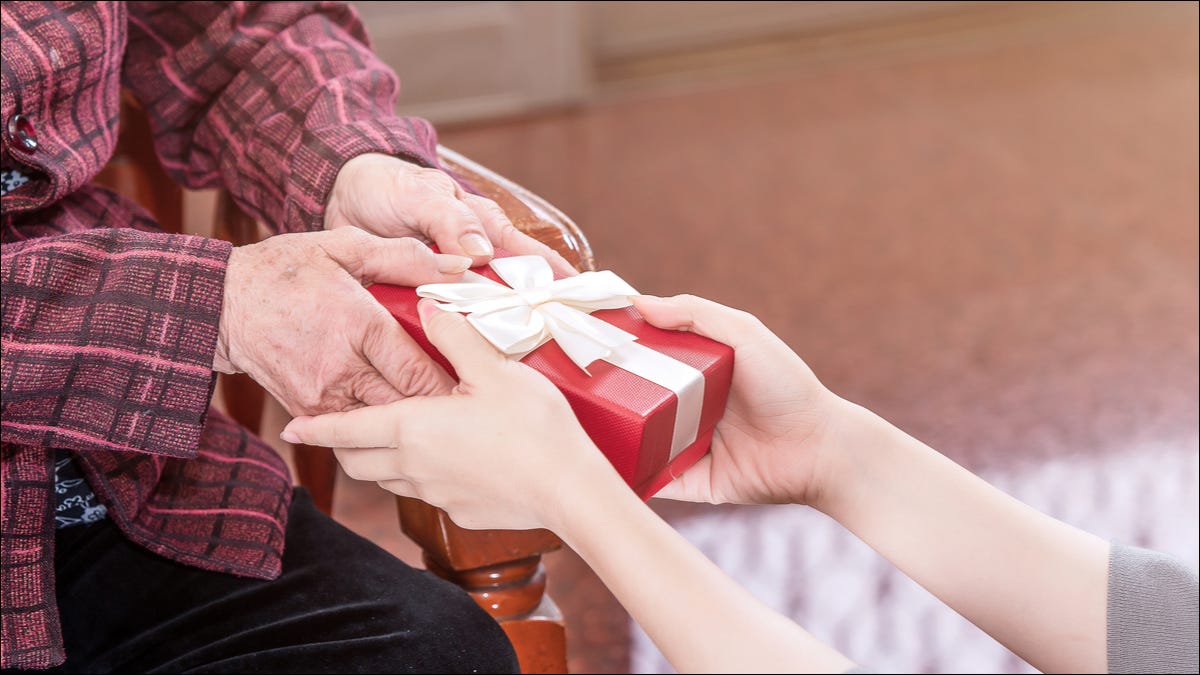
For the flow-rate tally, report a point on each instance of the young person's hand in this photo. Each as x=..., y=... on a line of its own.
x=780, y=425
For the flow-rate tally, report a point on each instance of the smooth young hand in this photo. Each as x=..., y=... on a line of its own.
x=390, y=197
x=779, y=424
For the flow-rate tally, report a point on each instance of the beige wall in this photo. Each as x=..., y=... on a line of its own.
x=466, y=61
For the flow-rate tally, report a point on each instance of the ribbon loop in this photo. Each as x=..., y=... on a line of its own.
x=534, y=308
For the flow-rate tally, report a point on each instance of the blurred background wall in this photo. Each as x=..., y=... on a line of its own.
x=979, y=219
x=475, y=61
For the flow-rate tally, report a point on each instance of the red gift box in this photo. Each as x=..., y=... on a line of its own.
x=631, y=419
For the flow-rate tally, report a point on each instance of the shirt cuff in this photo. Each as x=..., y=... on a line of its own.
x=323, y=152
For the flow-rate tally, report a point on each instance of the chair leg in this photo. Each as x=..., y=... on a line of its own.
x=513, y=592
x=503, y=572
x=317, y=469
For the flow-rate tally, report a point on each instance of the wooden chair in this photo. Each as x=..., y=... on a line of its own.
x=501, y=569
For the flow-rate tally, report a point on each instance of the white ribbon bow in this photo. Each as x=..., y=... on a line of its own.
x=534, y=308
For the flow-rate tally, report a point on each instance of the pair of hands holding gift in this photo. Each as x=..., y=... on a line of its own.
x=504, y=450
x=296, y=315
x=522, y=430
x=784, y=437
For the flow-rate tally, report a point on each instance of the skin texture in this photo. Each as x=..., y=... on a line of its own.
x=1035, y=584
x=291, y=297
x=389, y=197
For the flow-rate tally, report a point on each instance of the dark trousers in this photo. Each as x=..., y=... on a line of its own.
x=341, y=605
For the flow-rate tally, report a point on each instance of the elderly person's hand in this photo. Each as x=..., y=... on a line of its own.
x=390, y=197
x=503, y=418
x=297, y=319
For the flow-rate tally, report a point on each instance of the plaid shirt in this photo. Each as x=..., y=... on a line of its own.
x=109, y=324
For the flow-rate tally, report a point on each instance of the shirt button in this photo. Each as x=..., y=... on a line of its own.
x=22, y=134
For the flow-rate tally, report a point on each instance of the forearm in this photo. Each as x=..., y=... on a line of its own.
x=1034, y=583
x=700, y=619
x=279, y=95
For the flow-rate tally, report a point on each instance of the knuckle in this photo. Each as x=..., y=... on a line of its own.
x=750, y=320
x=417, y=376
x=414, y=253
x=508, y=231
x=362, y=386
x=445, y=322
x=380, y=331
x=411, y=245
x=435, y=179
x=348, y=236
x=487, y=205
x=310, y=400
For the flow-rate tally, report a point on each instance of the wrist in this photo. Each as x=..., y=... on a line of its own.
x=588, y=489
x=222, y=361
x=346, y=176
x=856, y=448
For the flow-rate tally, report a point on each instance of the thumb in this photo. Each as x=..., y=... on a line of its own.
x=469, y=352
x=693, y=485
x=702, y=317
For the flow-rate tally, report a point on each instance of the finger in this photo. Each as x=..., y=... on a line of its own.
x=403, y=261
x=369, y=427
x=469, y=352
x=501, y=231
x=405, y=369
x=369, y=464
x=432, y=204
x=703, y=317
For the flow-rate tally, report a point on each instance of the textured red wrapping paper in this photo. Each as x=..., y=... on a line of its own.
x=629, y=418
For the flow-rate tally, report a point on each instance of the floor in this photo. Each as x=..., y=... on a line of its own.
x=992, y=243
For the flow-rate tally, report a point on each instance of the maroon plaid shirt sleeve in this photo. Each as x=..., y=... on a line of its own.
x=266, y=99
x=108, y=340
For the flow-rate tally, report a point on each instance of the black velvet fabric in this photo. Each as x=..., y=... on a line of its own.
x=342, y=605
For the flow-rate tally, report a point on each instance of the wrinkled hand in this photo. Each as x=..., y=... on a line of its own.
x=390, y=197
x=779, y=424
x=503, y=450
x=298, y=320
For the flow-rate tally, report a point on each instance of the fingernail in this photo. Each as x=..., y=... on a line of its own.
x=452, y=264
x=475, y=244
x=426, y=308
x=289, y=436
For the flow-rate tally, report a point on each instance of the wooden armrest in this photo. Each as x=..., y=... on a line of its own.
x=528, y=212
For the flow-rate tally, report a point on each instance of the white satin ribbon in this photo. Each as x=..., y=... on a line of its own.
x=535, y=308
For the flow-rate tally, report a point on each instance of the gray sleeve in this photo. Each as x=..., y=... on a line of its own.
x=1152, y=613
